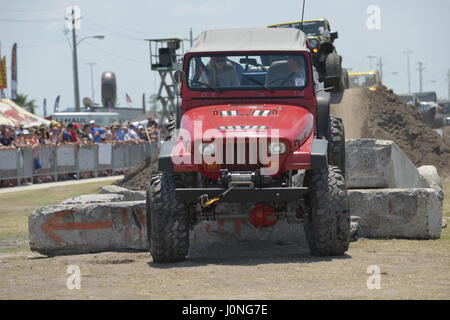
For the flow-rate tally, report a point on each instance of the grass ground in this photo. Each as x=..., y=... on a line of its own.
x=410, y=269
x=15, y=208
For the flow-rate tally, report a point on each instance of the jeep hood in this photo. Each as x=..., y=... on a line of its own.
x=294, y=124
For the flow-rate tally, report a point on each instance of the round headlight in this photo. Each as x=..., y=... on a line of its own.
x=277, y=148
x=208, y=149
x=314, y=43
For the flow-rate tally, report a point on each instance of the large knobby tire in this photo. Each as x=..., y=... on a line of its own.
x=346, y=78
x=327, y=225
x=168, y=219
x=333, y=67
x=336, y=144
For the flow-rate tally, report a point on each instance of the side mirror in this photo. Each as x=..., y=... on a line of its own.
x=334, y=35
x=179, y=76
x=331, y=82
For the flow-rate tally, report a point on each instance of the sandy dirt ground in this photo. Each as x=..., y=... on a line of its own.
x=241, y=270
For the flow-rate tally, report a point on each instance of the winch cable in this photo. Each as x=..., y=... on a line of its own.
x=219, y=197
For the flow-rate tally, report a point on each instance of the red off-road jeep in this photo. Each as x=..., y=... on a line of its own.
x=254, y=134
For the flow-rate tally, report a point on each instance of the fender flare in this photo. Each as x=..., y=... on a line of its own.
x=323, y=114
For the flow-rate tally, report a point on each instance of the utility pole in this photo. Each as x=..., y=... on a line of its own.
x=91, y=64
x=75, y=64
x=421, y=70
x=448, y=81
x=191, y=38
x=370, y=59
x=380, y=68
x=409, y=68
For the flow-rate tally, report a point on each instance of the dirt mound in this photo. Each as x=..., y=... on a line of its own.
x=382, y=115
x=139, y=177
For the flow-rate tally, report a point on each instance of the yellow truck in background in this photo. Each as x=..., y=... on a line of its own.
x=364, y=79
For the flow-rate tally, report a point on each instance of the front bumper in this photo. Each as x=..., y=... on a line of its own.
x=260, y=195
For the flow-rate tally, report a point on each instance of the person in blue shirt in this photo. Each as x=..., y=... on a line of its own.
x=97, y=134
x=119, y=133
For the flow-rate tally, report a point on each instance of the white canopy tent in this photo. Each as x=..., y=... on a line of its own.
x=14, y=115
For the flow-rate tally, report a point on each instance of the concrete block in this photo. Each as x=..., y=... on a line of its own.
x=129, y=195
x=431, y=175
x=93, y=198
x=397, y=213
x=380, y=164
x=85, y=228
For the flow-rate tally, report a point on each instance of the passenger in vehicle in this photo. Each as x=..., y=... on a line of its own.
x=221, y=73
x=289, y=73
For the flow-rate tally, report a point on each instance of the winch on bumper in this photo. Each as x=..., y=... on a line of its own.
x=243, y=186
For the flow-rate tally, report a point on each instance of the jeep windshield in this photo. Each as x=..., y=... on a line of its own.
x=310, y=28
x=244, y=71
x=426, y=97
x=362, y=81
x=407, y=99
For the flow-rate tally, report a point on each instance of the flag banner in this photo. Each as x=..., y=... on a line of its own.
x=3, y=78
x=56, y=108
x=14, y=72
x=128, y=98
x=45, y=107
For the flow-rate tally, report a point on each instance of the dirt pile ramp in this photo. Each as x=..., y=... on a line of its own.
x=381, y=115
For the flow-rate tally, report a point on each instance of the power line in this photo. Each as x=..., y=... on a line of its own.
x=34, y=10
x=116, y=55
x=117, y=34
x=114, y=25
x=36, y=45
x=370, y=60
x=30, y=20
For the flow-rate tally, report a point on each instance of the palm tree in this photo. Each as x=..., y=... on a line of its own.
x=22, y=101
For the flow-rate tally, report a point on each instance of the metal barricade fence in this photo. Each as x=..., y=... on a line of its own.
x=26, y=163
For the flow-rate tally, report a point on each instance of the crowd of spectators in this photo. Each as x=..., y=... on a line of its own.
x=92, y=133
x=72, y=133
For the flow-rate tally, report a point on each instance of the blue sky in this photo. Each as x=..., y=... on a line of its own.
x=45, y=61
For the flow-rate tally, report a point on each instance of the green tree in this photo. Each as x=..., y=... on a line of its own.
x=22, y=101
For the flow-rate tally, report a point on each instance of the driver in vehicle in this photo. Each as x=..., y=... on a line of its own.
x=221, y=73
x=290, y=73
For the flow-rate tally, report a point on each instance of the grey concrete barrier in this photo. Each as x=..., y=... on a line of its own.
x=9, y=163
x=20, y=163
x=129, y=195
x=397, y=213
x=87, y=158
x=88, y=227
x=380, y=164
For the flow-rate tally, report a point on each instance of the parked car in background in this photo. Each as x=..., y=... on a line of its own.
x=409, y=99
x=428, y=107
